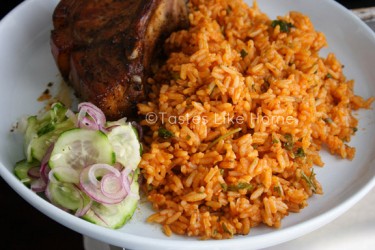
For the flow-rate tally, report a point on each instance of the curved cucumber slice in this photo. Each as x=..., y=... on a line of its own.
x=30, y=134
x=40, y=144
x=66, y=195
x=78, y=148
x=44, y=130
x=125, y=143
x=116, y=215
x=21, y=169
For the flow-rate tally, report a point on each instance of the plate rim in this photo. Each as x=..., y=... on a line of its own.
x=130, y=240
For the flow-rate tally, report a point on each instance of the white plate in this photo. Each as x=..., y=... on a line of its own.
x=26, y=66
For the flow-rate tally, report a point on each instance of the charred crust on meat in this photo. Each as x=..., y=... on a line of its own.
x=105, y=48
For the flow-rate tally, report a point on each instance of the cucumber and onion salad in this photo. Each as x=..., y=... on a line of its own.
x=83, y=164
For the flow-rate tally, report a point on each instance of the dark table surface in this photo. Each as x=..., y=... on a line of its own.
x=27, y=228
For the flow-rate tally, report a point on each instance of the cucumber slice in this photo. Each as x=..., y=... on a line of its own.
x=116, y=215
x=78, y=148
x=139, y=139
x=125, y=143
x=40, y=144
x=21, y=169
x=66, y=195
x=29, y=136
x=49, y=119
x=44, y=130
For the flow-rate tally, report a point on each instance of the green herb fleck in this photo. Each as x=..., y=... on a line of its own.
x=329, y=76
x=288, y=145
x=277, y=189
x=188, y=137
x=222, y=171
x=243, y=53
x=284, y=26
x=226, y=230
x=239, y=186
x=328, y=120
x=57, y=114
x=309, y=180
x=224, y=137
x=224, y=186
x=255, y=146
x=275, y=141
x=244, y=185
x=164, y=133
x=175, y=75
x=45, y=129
x=300, y=153
x=355, y=129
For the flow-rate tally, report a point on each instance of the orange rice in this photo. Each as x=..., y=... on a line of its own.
x=247, y=103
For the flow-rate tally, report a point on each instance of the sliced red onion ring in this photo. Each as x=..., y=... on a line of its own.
x=110, y=184
x=89, y=124
x=99, y=170
x=92, y=187
x=97, y=195
x=44, y=168
x=34, y=172
x=93, y=111
x=112, y=187
x=97, y=116
x=38, y=185
x=47, y=192
x=84, y=209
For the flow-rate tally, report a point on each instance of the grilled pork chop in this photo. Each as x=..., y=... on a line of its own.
x=104, y=48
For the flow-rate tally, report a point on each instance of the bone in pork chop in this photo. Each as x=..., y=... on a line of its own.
x=105, y=48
